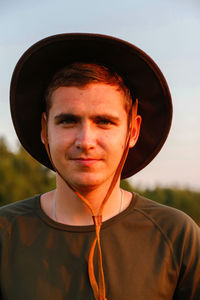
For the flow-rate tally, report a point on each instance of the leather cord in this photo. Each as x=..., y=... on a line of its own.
x=98, y=288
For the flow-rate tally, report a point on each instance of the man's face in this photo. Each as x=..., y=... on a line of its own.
x=87, y=133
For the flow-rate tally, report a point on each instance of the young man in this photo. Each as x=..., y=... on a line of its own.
x=94, y=109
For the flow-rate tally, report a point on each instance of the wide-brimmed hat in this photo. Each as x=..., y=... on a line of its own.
x=140, y=73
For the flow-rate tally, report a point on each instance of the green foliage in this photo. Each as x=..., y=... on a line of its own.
x=21, y=176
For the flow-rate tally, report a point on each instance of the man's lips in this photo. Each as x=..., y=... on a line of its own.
x=85, y=161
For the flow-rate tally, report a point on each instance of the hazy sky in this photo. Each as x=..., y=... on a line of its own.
x=169, y=31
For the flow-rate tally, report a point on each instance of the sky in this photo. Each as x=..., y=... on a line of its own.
x=167, y=30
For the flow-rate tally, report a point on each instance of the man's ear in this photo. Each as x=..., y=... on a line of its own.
x=136, y=121
x=44, y=128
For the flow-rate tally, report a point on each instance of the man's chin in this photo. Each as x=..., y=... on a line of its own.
x=86, y=185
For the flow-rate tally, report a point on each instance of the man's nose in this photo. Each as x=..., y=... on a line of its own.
x=85, y=138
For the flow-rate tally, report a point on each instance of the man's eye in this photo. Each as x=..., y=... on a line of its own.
x=104, y=122
x=67, y=121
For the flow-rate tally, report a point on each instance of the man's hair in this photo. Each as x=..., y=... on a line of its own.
x=80, y=74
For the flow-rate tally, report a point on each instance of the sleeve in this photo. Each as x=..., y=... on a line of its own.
x=188, y=287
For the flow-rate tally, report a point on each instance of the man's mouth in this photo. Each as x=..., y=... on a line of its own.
x=86, y=161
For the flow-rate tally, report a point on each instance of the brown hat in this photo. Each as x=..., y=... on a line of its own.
x=140, y=73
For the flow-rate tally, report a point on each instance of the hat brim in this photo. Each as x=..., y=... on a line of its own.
x=145, y=80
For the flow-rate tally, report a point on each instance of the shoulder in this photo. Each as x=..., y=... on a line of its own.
x=174, y=224
x=161, y=214
x=20, y=207
x=9, y=213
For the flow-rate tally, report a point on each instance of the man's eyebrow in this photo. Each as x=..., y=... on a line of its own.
x=66, y=116
x=106, y=116
x=93, y=117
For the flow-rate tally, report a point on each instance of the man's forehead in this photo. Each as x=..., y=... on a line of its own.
x=97, y=91
x=92, y=97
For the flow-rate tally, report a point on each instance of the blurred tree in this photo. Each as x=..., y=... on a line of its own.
x=21, y=176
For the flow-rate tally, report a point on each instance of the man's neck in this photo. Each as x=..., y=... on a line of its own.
x=64, y=206
x=74, y=207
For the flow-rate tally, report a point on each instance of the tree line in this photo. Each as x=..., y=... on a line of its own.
x=22, y=177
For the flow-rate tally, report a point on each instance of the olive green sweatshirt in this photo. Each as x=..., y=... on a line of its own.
x=150, y=252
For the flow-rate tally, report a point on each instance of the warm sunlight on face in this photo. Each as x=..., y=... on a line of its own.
x=87, y=132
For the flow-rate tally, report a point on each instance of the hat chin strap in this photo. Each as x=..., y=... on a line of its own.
x=98, y=288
